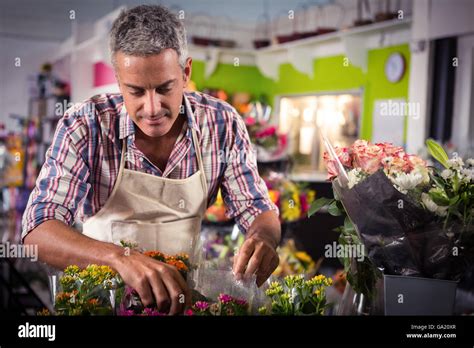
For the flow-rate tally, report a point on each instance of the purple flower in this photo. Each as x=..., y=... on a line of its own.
x=153, y=312
x=201, y=305
x=241, y=302
x=224, y=298
x=126, y=312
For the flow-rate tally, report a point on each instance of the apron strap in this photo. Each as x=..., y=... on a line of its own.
x=197, y=149
x=124, y=155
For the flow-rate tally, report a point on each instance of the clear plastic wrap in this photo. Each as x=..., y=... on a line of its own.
x=211, y=279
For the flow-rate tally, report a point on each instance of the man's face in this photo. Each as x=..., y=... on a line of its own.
x=152, y=88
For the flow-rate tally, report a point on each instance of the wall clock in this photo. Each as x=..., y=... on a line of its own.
x=395, y=67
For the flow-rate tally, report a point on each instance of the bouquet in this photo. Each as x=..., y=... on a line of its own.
x=130, y=303
x=291, y=198
x=87, y=291
x=294, y=261
x=270, y=144
x=297, y=296
x=226, y=305
x=411, y=219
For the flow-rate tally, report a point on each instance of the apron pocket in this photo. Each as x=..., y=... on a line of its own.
x=175, y=237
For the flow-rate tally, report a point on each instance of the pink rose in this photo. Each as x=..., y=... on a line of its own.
x=415, y=161
x=367, y=156
x=344, y=157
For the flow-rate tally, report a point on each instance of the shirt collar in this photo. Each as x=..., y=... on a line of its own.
x=127, y=127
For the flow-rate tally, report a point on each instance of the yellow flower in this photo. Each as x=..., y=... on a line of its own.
x=301, y=255
x=310, y=196
x=71, y=270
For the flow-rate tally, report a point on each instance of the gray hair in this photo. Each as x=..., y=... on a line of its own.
x=148, y=29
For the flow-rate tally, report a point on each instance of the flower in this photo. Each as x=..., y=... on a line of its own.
x=447, y=174
x=180, y=265
x=214, y=309
x=467, y=174
x=266, y=132
x=240, y=302
x=201, y=305
x=250, y=121
x=405, y=182
x=355, y=176
x=152, y=312
x=432, y=206
x=156, y=255
x=298, y=296
x=455, y=163
x=224, y=298
x=343, y=156
x=367, y=156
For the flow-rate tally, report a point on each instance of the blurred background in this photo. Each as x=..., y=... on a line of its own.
x=382, y=70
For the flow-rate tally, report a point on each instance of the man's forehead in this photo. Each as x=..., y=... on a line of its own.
x=167, y=56
x=155, y=86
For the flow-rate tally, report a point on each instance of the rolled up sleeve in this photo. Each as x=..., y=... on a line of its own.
x=62, y=182
x=243, y=190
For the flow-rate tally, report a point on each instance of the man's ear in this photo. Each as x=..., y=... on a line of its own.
x=187, y=72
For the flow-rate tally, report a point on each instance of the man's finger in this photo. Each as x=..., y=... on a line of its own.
x=161, y=294
x=243, y=257
x=255, y=261
x=185, y=291
x=265, y=274
x=175, y=291
x=266, y=263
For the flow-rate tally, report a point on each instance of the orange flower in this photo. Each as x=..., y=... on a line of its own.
x=93, y=301
x=155, y=254
x=180, y=265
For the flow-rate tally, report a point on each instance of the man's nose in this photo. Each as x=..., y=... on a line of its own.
x=152, y=104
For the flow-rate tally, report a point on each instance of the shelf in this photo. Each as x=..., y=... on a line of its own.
x=353, y=42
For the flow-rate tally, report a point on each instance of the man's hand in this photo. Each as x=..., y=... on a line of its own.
x=155, y=282
x=60, y=245
x=258, y=253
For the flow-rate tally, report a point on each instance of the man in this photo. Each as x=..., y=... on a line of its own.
x=143, y=165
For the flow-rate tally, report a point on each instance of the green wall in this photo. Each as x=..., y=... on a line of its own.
x=330, y=74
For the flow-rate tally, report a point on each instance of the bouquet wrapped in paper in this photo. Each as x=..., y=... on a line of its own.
x=412, y=219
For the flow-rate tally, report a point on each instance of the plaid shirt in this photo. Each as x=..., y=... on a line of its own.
x=83, y=161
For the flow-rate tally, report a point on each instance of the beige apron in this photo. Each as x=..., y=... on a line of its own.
x=157, y=213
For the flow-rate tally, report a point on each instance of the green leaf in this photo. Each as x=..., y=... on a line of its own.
x=438, y=198
x=456, y=183
x=437, y=151
x=454, y=200
x=318, y=204
x=437, y=180
x=348, y=226
x=334, y=210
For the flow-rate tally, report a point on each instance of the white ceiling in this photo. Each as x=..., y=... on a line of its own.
x=49, y=19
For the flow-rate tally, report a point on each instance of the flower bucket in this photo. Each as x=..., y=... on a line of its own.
x=418, y=296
